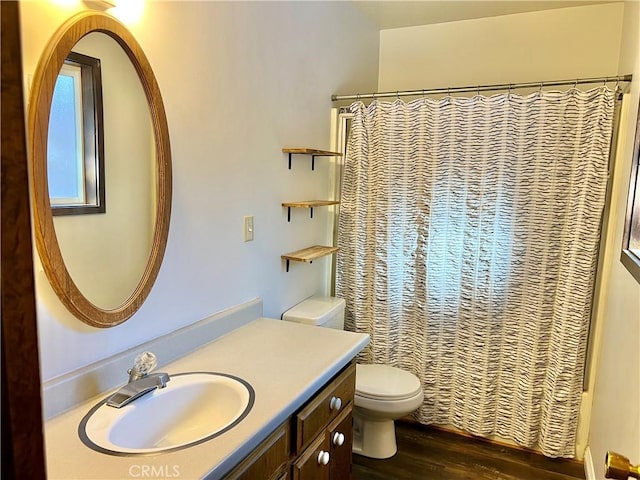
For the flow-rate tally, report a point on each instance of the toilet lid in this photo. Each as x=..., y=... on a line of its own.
x=385, y=382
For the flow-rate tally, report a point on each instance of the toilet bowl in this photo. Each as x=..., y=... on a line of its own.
x=383, y=393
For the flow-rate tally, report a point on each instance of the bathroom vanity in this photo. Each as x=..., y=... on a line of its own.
x=314, y=443
x=299, y=427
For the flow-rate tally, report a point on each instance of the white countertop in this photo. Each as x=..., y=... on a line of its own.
x=285, y=363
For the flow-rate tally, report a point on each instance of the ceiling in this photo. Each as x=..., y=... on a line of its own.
x=400, y=13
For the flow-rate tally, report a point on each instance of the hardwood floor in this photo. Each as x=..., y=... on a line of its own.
x=432, y=454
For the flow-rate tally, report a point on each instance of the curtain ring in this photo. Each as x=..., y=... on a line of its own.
x=478, y=91
x=509, y=92
x=617, y=84
x=575, y=84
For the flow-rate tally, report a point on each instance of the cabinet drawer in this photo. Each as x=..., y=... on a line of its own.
x=317, y=414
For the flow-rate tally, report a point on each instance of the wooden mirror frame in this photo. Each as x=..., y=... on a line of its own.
x=628, y=257
x=39, y=107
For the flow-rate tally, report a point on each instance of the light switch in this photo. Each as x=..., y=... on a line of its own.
x=248, y=228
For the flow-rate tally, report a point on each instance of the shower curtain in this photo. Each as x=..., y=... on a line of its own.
x=468, y=235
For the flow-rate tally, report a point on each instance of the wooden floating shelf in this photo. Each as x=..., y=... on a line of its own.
x=310, y=204
x=308, y=254
x=309, y=151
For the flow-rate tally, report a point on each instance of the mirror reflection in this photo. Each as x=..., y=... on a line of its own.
x=75, y=146
x=106, y=253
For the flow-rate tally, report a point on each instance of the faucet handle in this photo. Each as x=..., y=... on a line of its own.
x=144, y=363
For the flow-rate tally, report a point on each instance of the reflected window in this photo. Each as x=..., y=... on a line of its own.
x=75, y=151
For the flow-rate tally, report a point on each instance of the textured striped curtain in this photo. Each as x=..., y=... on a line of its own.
x=469, y=231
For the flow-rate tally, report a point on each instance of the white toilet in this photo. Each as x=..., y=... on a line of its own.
x=383, y=393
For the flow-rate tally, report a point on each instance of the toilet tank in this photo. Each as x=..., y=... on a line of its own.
x=317, y=310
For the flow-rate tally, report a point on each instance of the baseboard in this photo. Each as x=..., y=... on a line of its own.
x=589, y=469
x=66, y=391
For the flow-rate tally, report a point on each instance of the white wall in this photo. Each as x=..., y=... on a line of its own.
x=239, y=80
x=528, y=47
x=615, y=415
x=577, y=42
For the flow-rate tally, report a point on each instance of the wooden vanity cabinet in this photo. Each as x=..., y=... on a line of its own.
x=313, y=444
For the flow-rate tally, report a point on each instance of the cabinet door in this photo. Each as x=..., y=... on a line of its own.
x=341, y=442
x=269, y=460
x=311, y=464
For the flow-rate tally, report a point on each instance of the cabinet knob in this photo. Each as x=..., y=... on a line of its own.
x=338, y=439
x=323, y=457
x=335, y=403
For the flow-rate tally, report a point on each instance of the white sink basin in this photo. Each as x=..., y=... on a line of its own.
x=192, y=408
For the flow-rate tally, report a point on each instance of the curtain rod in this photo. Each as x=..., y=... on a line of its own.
x=482, y=88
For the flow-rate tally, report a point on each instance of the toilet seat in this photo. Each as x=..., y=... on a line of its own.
x=383, y=382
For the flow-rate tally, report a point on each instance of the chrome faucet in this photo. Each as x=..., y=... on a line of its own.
x=140, y=382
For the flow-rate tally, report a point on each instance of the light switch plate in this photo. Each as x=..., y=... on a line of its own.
x=248, y=228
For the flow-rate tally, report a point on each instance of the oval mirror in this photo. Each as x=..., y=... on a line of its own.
x=101, y=220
